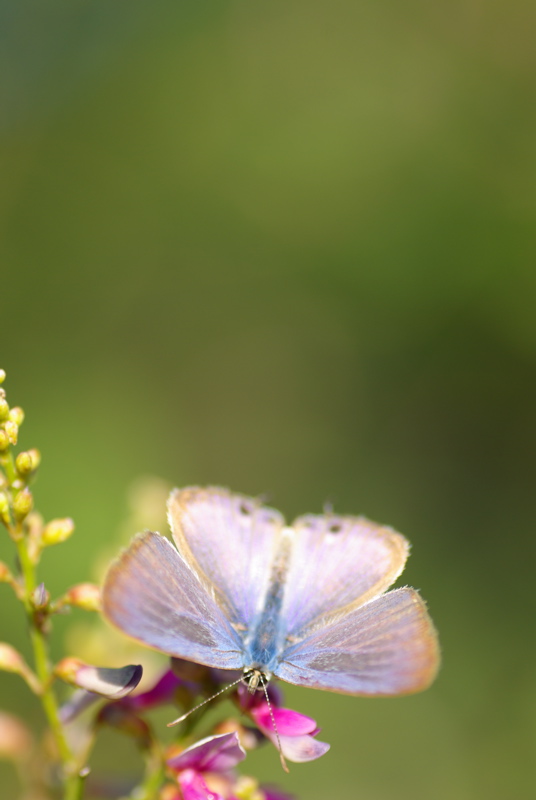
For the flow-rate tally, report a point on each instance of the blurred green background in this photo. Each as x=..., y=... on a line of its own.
x=290, y=248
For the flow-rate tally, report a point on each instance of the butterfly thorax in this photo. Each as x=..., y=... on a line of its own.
x=267, y=634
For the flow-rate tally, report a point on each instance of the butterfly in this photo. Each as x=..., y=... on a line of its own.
x=306, y=603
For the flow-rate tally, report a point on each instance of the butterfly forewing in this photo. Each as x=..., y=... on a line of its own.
x=230, y=541
x=385, y=647
x=336, y=563
x=151, y=595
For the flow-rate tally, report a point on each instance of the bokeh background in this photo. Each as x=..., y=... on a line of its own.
x=289, y=248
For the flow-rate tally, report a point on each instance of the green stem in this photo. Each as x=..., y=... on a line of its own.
x=73, y=779
x=154, y=776
x=8, y=464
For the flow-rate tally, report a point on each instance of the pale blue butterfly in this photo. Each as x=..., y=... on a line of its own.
x=305, y=603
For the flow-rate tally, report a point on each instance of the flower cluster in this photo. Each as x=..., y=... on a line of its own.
x=206, y=769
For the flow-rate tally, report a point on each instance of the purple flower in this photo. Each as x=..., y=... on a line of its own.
x=205, y=771
x=181, y=683
x=296, y=731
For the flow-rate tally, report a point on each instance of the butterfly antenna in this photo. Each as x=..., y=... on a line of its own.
x=200, y=705
x=281, y=756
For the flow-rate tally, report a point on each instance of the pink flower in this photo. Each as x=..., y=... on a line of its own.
x=205, y=771
x=296, y=731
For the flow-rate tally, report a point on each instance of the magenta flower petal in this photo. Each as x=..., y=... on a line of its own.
x=296, y=731
x=288, y=722
x=213, y=754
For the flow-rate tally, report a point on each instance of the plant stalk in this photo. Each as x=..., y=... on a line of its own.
x=73, y=780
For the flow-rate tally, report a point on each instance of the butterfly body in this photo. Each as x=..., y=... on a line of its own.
x=265, y=640
x=306, y=603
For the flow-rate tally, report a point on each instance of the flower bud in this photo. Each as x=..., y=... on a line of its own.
x=40, y=597
x=4, y=407
x=83, y=595
x=5, y=574
x=23, y=503
x=12, y=431
x=2, y=375
x=10, y=659
x=27, y=461
x=16, y=415
x=23, y=462
x=4, y=440
x=57, y=531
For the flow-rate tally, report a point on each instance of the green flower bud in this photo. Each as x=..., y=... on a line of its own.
x=2, y=375
x=4, y=440
x=23, y=504
x=4, y=407
x=27, y=461
x=23, y=462
x=83, y=595
x=57, y=531
x=16, y=415
x=12, y=431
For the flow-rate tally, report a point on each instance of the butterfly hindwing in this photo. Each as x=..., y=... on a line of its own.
x=152, y=595
x=386, y=647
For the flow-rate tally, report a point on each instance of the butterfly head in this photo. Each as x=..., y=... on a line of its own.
x=255, y=679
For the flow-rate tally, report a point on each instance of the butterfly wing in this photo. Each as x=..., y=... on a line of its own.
x=386, y=647
x=338, y=563
x=229, y=541
x=150, y=594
